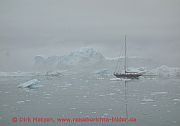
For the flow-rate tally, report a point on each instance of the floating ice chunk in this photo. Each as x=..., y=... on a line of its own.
x=47, y=94
x=19, y=102
x=176, y=99
x=105, y=114
x=147, y=100
x=158, y=93
x=111, y=94
x=29, y=84
x=73, y=108
x=101, y=95
x=67, y=85
x=142, y=103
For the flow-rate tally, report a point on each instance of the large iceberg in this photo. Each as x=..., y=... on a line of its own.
x=83, y=56
x=88, y=59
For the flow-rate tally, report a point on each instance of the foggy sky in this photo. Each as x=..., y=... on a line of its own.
x=57, y=27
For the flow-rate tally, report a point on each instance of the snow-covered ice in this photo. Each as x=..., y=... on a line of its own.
x=32, y=83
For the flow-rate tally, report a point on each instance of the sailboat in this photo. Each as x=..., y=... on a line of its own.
x=127, y=74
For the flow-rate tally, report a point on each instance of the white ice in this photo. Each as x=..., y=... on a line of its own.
x=29, y=84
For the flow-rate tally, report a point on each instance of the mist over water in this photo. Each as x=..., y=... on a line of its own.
x=30, y=28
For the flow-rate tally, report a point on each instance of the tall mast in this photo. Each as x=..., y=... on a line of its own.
x=125, y=55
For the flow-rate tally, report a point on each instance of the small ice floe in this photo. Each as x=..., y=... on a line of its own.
x=176, y=99
x=93, y=112
x=147, y=100
x=84, y=96
x=158, y=93
x=19, y=102
x=87, y=116
x=47, y=94
x=154, y=105
x=28, y=100
x=142, y=103
x=101, y=95
x=109, y=109
x=111, y=94
x=67, y=85
x=30, y=84
x=104, y=115
x=73, y=108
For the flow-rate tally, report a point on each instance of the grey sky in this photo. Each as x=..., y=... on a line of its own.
x=56, y=27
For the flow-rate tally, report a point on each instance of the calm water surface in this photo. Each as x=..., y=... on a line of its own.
x=151, y=101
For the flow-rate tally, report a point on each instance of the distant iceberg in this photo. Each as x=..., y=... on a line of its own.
x=29, y=84
x=83, y=56
x=165, y=71
x=18, y=73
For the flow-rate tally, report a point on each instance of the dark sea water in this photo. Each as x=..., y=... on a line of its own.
x=153, y=102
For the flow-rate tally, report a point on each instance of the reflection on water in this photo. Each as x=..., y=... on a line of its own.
x=151, y=102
